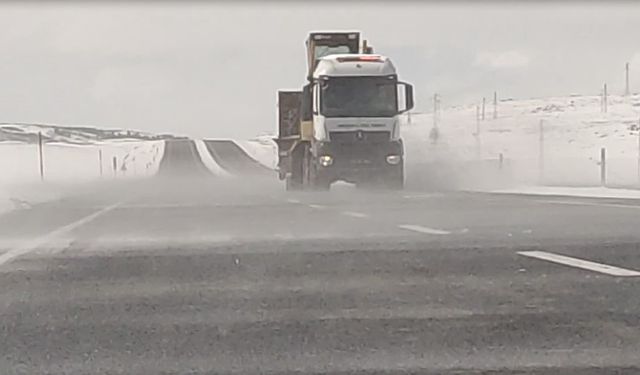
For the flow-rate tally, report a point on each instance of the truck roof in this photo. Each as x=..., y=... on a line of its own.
x=354, y=65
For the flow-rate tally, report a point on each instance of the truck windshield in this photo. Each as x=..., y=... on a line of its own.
x=359, y=97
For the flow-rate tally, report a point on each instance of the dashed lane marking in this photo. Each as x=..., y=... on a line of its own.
x=580, y=263
x=425, y=230
x=582, y=203
x=317, y=206
x=358, y=215
x=291, y=200
x=36, y=243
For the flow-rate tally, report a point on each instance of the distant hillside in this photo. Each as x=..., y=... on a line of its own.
x=28, y=133
x=556, y=139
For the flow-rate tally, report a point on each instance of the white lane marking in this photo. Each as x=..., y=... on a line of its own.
x=359, y=215
x=579, y=203
x=421, y=196
x=317, y=206
x=294, y=201
x=579, y=263
x=421, y=229
x=34, y=244
x=208, y=160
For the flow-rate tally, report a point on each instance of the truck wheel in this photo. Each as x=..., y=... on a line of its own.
x=318, y=181
x=295, y=180
x=292, y=185
x=395, y=180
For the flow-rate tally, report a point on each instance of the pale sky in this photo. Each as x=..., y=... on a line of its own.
x=212, y=70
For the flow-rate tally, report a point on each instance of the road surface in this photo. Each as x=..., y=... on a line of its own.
x=202, y=275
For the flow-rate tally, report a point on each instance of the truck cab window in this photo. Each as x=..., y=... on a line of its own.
x=359, y=97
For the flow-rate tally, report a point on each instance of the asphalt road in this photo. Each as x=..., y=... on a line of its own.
x=198, y=275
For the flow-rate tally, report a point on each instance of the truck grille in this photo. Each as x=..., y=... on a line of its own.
x=360, y=136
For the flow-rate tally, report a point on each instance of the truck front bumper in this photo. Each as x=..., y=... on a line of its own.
x=359, y=161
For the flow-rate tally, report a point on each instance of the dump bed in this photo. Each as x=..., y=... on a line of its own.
x=321, y=44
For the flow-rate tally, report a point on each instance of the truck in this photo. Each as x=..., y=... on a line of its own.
x=344, y=125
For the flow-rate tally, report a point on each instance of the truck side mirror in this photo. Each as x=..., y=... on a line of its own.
x=408, y=94
x=306, y=113
x=405, y=97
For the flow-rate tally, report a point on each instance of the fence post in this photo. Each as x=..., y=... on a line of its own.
x=484, y=101
x=40, y=156
x=541, y=153
x=501, y=161
x=478, y=144
x=603, y=166
x=638, y=152
x=100, y=160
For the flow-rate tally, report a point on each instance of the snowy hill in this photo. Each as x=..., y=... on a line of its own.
x=574, y=130
x=28, y=133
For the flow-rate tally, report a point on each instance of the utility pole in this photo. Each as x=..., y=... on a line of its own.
x=484, y=100
x=626, y=80
x=495, y=105
x=40, y=156
x=604, y=99
x=435, y=133
x=603, y=166
x=436, y=110
x=477, y=120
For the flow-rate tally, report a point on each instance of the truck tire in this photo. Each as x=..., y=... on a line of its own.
x=316, y=180
x=395, y=179
x=295, y=180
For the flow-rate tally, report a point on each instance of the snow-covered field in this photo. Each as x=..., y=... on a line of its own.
x=69, y=164
x=574, y=130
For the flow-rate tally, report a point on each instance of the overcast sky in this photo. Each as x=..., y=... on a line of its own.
x=212, y=70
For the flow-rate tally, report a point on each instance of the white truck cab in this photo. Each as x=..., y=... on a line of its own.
x=356, y=92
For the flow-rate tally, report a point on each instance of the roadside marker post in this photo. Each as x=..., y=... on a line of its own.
x=100, y=161
x=40, y=156
x=638, y=152
x=477, y=134
x=603, y=166
x=541, y=153
x=115, y=167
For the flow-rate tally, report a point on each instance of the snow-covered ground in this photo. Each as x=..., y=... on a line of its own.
x=29, y=133
x=585, y=192
x=69, y=164
x=261, y=148
x=574, y=130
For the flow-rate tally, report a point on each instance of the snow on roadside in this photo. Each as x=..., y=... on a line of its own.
x=208, y=160
x=573, y=132
x=68, y=165
x=583, y=192
x=262, y=149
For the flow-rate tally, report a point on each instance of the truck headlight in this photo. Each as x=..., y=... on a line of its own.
x=325, y=160
x=394, y=159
